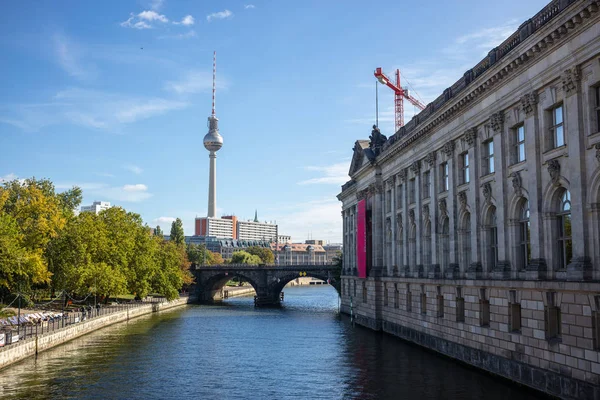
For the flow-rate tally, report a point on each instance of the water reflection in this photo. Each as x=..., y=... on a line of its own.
x=235, y=351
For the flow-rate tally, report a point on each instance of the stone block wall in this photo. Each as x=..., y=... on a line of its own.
x=565, y=364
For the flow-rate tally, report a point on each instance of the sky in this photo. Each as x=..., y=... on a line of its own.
x=114, y=96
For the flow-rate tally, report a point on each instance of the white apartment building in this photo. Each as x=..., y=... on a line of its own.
x=250, y=230
x=96, y=207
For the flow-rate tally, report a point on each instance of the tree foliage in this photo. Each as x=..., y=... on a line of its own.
x=158, y=232
x=177, y=235
x=265, y=254
x=43, y=242
x=243, y=257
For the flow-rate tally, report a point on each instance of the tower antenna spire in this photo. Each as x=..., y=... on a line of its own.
x=214, y=94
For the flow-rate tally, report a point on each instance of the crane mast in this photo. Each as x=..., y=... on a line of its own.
x=399, y=95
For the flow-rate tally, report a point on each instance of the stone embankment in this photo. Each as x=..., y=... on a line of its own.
x=237, y=291
x=35, y=344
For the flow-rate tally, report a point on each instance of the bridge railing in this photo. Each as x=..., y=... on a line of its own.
x=278, y=266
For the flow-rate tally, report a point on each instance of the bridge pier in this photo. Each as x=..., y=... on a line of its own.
x=267, y=301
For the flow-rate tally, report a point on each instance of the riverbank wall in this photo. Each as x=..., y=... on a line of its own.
x=36, y=344
x=538, y=334
x=237, y=291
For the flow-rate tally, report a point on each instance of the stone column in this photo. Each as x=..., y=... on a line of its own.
x=451, y=208
x=502, y=269
x=393, y=269
x=377, y=234
x=537, y=268
x=433, y=209
x=416, y=169
x=580, y=267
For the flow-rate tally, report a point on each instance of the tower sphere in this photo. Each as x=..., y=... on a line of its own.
x=213, y=141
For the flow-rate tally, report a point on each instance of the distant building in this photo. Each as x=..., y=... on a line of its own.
x=298, y=253
x=284, y=239
x=315, y=241
x=231, y=228
x=332, y=250
x=96, y=207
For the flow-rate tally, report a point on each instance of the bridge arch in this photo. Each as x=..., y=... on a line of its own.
x=211, y=289
x=281, y=280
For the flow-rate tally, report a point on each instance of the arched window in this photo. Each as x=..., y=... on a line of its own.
x=493, y=240
x=524, y=250
x=565, y=244
x=466, y=240
x=427, y=243
x=445, y=244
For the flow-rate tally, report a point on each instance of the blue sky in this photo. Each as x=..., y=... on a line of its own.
x=83, y=104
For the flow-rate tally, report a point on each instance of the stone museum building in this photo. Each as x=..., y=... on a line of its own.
x=474, y=230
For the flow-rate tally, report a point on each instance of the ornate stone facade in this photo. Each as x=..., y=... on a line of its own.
x=528, y=211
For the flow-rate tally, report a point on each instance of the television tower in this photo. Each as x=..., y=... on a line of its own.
x=213, y=141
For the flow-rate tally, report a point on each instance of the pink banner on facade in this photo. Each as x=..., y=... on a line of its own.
x=361, y=239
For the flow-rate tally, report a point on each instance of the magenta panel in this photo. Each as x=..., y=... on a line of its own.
x=361, y=239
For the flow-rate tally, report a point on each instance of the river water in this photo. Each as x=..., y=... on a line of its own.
x=234, y=351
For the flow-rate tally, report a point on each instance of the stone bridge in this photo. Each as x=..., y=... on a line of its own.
x=267, y=280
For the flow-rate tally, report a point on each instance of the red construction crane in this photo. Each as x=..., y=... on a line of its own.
x=399, y=94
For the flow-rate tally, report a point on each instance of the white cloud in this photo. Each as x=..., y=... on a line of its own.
x=69, y=57
x=188, y=20
x=133, y=193
x=164, y=220
x=247, y=6
x=320, y=217
x=132, y=22
x=194, y=82
x=152, y=16
x=219, y=15
x=187, y=35
x=8, y=177
x=141, y=20
x=334, y=174
x=148, y=108
x=156, y=4
x=134, y=168
x=138, y=187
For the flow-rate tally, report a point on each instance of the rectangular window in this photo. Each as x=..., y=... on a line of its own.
x=399, y=196
x=411, y=191
x=557, y=129
x=440, y=302
x=464, y=167
x=597, y=92
x=385, y=295
x=396, y=296
x=460, y=309
x=388, y=201
x=426, y=184
x=552, y=318
x=484, y=309
x=445, y=183
x=423, y=301
x=514, y=317
x=408, y=299
x=519, y=155
x=488, y=157
x=364, y=292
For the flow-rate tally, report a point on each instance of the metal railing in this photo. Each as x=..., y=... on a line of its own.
x=70, y=317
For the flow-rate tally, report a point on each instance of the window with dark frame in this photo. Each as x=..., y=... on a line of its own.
x=557, y=129
x=364, y=292
x=411, y=191
x=524, y=237
x=552, y=318
x=460, y=305
x=519, y=149
x=426, y=184
x=514, y=313
x=596, y=324
x=440, y=302
x=396, y=296
x=493, y=244
x=445, y=183
x=464, y=167
x=423, y=300
x=565, y=243
x=408, y=299
x=399, y=196
x=385, y=295
x=488, y=157
x=597, y=93
x=484, y=309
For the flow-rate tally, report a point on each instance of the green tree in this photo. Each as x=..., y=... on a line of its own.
x=243, y=257
x=158, y=232
x=265, y=254
x=177, y=235
x=217, y=258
